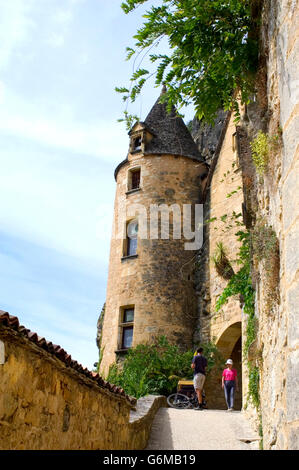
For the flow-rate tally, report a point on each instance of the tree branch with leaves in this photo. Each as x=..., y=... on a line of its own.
x=213, y=51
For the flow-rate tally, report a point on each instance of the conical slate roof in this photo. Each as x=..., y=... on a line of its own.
x=170, y=134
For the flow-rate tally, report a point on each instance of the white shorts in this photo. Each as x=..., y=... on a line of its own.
x=198, y=381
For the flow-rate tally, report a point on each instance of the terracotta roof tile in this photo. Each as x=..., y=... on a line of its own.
x=57, y=351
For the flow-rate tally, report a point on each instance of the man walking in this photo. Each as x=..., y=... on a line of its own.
x=199, y=364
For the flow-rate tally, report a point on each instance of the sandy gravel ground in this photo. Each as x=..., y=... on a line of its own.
x=201, y=430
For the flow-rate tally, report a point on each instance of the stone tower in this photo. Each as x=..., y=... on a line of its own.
x=150, y=290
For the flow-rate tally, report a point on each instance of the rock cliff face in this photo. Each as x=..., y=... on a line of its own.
x=207, y=136
x=100, y=327
x=270, y=207
x=278, y=208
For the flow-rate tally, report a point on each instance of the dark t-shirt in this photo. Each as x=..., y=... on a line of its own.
x=200, y=365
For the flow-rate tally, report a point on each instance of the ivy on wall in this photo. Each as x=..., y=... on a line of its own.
x=241, y=284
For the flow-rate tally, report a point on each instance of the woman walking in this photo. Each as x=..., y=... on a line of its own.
x=229, y=384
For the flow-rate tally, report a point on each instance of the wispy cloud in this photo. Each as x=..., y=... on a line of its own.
x=52, y=294
x=58, y=199
x=63, y=16
x=16, y=25
x=58, y=128
x=60, y=23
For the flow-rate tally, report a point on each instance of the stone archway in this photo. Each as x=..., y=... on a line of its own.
x=230, y=346
x=229, y=343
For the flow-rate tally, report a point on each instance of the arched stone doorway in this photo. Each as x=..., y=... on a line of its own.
x=230, y=345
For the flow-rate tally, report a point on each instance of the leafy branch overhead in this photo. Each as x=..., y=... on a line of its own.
x=213, y=51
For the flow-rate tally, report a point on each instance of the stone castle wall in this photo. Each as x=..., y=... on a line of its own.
x=159, y=281
x=223, y=327
x=46, y=404
x=226, y=179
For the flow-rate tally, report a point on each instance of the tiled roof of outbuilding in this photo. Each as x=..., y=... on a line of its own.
x=55, y=350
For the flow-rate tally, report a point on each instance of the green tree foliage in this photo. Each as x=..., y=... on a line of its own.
x=157, y=367
x=213, y=52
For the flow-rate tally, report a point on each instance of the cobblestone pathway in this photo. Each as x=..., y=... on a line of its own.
x=201, y=430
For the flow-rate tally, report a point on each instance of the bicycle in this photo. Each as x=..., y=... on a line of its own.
x=185, y=397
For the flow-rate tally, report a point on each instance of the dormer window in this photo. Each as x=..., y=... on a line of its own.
x=140, y=137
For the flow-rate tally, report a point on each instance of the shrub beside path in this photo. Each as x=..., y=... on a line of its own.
x=201, y=430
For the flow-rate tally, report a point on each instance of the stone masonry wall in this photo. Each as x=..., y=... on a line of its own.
x=226, y=179
x=46, y=405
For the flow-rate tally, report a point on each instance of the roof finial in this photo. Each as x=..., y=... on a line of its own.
x=164, y=89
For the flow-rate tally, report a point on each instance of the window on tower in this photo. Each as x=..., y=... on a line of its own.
x=131, y=238
x=134, y=179
x=127, y=324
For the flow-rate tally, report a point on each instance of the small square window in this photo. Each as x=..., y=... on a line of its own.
x=134, y=179
x=128, y=315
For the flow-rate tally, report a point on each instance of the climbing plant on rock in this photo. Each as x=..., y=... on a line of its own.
x=241, y=284
x=213, y=51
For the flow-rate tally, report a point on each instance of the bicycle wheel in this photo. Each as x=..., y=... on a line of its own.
x=179, y=401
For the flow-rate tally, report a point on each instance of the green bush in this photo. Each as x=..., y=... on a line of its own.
x=156, y=368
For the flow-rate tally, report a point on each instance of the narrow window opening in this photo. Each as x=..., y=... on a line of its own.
x=131, y=240
x=128, y=315
x=127, y=327
x=137, y=144
x=127, y=337
x=135, y=183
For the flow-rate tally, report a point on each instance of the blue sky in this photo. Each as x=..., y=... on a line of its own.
x=60, y=61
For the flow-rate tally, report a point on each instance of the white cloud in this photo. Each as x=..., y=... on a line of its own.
x=55, y=126
x=61, y=23
x=2, y=92
x=15, y=27
x=63, y=17
x=56, y=40
x=76, y=2
x=98, y=139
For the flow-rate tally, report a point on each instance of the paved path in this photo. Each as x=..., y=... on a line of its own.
x=200, y=430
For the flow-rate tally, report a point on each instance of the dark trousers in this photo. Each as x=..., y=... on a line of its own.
x=229, y=392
